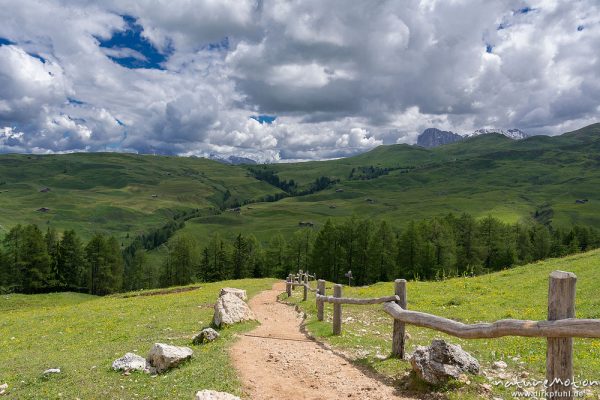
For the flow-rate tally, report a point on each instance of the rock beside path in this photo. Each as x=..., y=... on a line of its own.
x=231, y=309
x=206, y=335
x=130, y=362
x=214, y=395
x=241, y=293
x=441, y=361
x=163, y=357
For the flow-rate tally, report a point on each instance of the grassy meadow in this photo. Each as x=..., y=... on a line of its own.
x=118, y=194
x=82, y=335
x=519, y=293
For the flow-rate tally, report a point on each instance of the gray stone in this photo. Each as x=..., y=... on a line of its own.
x=163, y=357
x=52, y=371
x=230, y=309
x=129, y=362
x=214, y=395
x=241, y=293
x=499, y=365
x=206, y=335
x=441, y=361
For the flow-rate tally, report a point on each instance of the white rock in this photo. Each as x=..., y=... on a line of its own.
x=52, y=371
x=499, y=365
x=163, y=356
x=238, y=292
x=129, y=362
x=214, y=395
x=3, y=388
x=230, y=309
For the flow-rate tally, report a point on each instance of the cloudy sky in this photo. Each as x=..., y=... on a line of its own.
x=289, y=79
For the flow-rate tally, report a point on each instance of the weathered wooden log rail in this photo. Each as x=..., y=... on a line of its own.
x=349, y=300
x=559, y=330
x=570, y=327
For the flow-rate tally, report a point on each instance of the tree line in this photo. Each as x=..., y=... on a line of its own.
x=32, y=261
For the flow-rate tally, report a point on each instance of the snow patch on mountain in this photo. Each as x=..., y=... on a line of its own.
x=515, y=134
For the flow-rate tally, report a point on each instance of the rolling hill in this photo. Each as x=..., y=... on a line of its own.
x=119, y=194
x=538, y=177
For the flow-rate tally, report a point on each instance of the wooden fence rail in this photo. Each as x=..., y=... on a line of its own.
x=560, y=328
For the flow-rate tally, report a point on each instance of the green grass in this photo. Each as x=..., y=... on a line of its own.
x=113, y=193
x=486, y=175
x=519, y=293
x=82, y=335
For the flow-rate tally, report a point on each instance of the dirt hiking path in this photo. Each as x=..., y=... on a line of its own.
x=288, y=365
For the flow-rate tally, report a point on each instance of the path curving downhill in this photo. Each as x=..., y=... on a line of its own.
x=288, y=365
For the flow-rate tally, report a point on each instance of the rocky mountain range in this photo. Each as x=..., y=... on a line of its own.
x=433, y=137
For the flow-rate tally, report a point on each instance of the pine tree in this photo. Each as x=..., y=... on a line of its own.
x=116, y=265
x=326, y=253
x=52, y=242
x=524, y=247
x=541, y=241
x=101, y=265
x=275, y=257
x=364, y=233
x=36, y=263
x=14, y=270
x=70, y=265
x=410, y=251
x=468, y=248
x=240, y=257
x=382, y=250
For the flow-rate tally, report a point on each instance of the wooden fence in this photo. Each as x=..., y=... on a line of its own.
x=559, y=330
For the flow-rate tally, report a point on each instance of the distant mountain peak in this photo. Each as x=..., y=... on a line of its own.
x=514, y=133
x=433, y=137
x=233, y=160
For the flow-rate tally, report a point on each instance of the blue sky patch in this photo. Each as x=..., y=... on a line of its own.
x=34, y=55
x=524, y=10
x=489, y=48
x=5, y=41
x=580, y=28
x=264, y=119
x=130, y=49
x=75, y=102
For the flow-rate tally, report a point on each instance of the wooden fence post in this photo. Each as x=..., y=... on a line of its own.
x=559, y=354
x=305, y=293
x=320, y=304
x=399, y=327
x=288, y=285
x=337, y=310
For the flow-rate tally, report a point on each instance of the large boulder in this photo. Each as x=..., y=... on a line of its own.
x=206, y=335
x=241, y=293
x=163, y=356
x=214, y=395
x=129, y=362
x=441, y=361
x=230, y=309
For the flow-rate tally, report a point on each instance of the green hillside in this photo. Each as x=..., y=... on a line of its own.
x=519, y=293
x=123, y=194
x=489, y=174
x=116, y=193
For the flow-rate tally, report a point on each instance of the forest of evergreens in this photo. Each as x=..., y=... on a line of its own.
x=33, y=261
